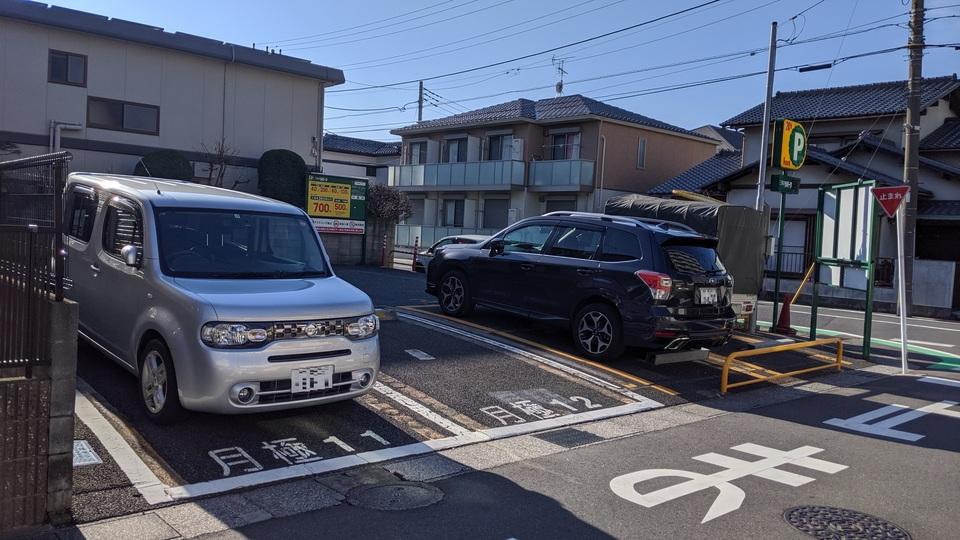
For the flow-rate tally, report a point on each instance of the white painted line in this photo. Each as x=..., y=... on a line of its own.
x=419, y=355
x=940, y=380
x=420, y=409
x=570, y=419
x=805, y=310
x=140, y=475
x=536, y=357
x=918, y=342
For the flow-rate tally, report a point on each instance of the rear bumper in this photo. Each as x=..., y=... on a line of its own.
x=669, y=333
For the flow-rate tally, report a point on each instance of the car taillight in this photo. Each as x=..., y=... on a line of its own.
x=659, y=284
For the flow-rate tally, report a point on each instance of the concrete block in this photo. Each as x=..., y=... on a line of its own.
x=212, y=515
x=60, y=439
x=63, y=340
x=292, y=498
x=142, y=527
x=60, y=472
x=426, y=469
x=63, y=394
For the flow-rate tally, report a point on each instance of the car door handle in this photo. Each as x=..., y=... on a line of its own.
x=95, y=268
x=586, y=271
x=526, y=267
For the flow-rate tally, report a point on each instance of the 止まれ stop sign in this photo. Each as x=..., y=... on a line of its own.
x=890, y=198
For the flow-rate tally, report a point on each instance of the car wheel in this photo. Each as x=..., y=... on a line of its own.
x=158, y=383
x=454, y=294
x=598, y=332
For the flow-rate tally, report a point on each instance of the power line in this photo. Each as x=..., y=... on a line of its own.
x=343, y=30
x=297, y=48
x=552, y=49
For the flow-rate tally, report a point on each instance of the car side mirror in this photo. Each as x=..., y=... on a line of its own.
x=130, y=254
x=496, y=247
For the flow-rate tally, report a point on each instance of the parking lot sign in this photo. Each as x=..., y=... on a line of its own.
x=337, y=204
x=790, y=145
x=782, y=183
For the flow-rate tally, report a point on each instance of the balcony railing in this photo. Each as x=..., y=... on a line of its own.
x=469, y=174
x=569, y=173
x=427, y=235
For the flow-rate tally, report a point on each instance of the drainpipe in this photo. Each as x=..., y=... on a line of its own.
x=56, y=127
x=603, y=169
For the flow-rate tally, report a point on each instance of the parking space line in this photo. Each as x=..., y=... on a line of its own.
x=431, y=403
x=142, y=478
x=420, y=409
x=622, y=374
x=543, y=360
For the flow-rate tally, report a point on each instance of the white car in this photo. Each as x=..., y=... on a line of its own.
x=423, y=258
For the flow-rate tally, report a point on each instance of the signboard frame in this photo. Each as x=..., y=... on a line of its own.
x=337, y=204
x=784, y=137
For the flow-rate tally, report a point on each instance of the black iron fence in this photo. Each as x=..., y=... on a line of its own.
x=31, y=255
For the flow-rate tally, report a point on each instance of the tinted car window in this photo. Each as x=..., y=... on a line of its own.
x=575, y=242
x=694, y=259
x=82, y=210
x=440, y=244
x=620, y=246
x=121, y=227
x=529, y=239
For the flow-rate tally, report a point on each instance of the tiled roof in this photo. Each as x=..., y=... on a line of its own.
x=544, y=111
x=938, y=209
x=732, y=137
x=945, y=137
x=366, y=147
x=701, y=175
x=846, y=101
x=873, y=142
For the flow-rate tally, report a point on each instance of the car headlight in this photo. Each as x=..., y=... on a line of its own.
x=363, y=327
x=232, y=335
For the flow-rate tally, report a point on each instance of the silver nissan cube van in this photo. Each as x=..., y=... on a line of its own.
x=219, y=301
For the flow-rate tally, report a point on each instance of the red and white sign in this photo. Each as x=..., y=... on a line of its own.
x=890, y=198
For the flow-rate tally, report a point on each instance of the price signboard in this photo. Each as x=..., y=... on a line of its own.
x=337, y=204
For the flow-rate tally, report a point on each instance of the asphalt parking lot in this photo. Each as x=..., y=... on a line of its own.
x=443, y=383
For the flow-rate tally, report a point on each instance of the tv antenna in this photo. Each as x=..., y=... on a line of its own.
x=558, y=63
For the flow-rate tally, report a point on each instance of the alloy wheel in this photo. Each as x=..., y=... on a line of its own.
x=153, y=381
x=595, y=332
x=451, y=294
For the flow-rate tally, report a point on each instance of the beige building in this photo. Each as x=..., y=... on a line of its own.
x=481, y=170
x=350, y=156
x=110, y=91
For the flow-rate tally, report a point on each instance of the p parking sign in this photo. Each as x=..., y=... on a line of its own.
x=790, y=145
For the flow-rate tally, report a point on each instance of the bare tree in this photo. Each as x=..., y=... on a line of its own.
x=215, y=165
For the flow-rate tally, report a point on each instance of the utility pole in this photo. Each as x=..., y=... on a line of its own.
x=420, y=104
x=911, y=147
x=765, y=134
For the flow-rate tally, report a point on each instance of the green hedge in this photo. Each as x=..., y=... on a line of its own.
x=283, y=176
x=165, y=164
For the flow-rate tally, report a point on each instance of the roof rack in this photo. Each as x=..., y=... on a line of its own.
x=664, y=224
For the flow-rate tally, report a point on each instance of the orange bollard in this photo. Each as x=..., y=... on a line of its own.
x=783, y=321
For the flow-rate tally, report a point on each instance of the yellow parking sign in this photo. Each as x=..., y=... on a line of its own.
x=790, y=145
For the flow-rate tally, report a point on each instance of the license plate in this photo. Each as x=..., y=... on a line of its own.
x=708, y=295
x=311, y=379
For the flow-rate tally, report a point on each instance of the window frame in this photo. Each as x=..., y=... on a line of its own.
x=123, y=112
x=443, y=212
x=546, y=241
x=75, y=190
x=557, y=228
x=640, y=247
x=462, y=144
x=421, y=151
x=119, y=202
x=641, y=153
x=50, y=79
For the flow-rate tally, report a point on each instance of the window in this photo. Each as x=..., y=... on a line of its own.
x=452, y=213
x=529, y=239
x=122, y=227
x=561, y=205
x=416, y=212
x=694, y=259
x=495, y=213
x=372, y=171
x=440, y=244
x=619, y=246
x=565, y=146
x=575, y=242
x=418, y=153
x=641, y=153
x=456, y=151
x=500, y=147
x=67, y=68
x=81, y=211
x=123, y=116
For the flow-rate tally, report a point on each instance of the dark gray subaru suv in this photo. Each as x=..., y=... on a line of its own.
x=614, y=281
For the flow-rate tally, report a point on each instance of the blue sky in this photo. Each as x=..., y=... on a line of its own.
x=382, y=41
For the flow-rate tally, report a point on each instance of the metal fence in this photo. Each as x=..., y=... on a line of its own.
x=31, y=255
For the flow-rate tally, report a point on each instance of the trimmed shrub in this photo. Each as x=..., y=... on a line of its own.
x=283, y=176
x=165, y=164
x=387, y=204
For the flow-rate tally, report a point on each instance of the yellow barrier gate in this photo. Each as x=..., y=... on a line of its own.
x=725, y=376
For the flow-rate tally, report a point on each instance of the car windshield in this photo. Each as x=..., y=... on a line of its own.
x=226, y=244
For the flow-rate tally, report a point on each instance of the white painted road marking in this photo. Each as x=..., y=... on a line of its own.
x=233, y=456
x=419, y=355
x=884, y=428
x=140, y=475
x=731, y=497
x=929, y=343
x=421, y=409
x=940, y=380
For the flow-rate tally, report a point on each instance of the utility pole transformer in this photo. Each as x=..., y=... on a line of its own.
x=420, y=104
x=911, y=146
x=765, y=133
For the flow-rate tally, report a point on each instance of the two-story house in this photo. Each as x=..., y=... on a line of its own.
x=856, y=132
x=351, y=156
x=111, y=91
x=478, y=171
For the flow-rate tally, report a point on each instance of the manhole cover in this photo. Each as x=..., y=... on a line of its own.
x=841, y=524
x=400, y=496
